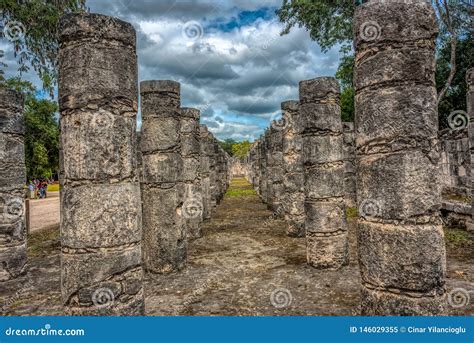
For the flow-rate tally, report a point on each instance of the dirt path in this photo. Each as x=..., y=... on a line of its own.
x=243, y=265
x=44, y=212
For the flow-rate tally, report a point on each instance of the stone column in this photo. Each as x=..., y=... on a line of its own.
x=293, y=180
x=12, y=181
x=204, y=171
x=325, y=223
x=212, y=171
x=190, y=151
x=349, y=164
x=263, y=167
x=164, y=234
x=470, y=113
x=101, y=272
x=277, y=166
x=400, y=237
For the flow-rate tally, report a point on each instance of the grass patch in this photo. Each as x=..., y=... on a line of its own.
x=351, y=212
x=458, y=237
x=43, y=242
x=235, y=192
x=54, y=187
x=456, y=197
x=240, y=188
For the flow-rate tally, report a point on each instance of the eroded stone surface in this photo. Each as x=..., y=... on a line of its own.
x=12, y=179
x=401, y=245
x=101, y=271
x=324, y=171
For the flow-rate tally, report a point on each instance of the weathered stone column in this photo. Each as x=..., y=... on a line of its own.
x=204, y=171
x=12, y=181
x=400, y=238
x=293, y=180
x=325, y=223
x=349, y=164
x=190, y=151
x=470, y=113
x=211, y=151
x=276, y=141
x=164, y=234
x=263, y=167
x=101, y=271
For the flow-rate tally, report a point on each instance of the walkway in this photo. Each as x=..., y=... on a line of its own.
x=243, y=265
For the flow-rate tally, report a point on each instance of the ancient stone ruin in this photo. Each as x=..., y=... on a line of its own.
x=401, y=245
x=134, y=202
x=101, y=217
x=12, y=179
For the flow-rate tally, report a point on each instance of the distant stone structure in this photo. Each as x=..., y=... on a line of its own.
x=101, y=268
x=293, y=178
x=400, y=237
x=325, y=220
x=204, y=172
x=192, y=210
x=12, y=180
x=164, y=232
x=470, y=113
x=349, y=164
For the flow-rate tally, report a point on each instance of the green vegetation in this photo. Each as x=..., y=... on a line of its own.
x=330, y=24
x=41, y=132
x=458, y=237
x=234, y=148
x=456, y=197
x=351, y=212
x=240, y=188
x=53, y=187
x=32, y=29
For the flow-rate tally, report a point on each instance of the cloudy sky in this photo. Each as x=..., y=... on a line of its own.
x=228, y=55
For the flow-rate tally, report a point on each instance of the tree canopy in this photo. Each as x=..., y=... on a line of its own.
x=41, y=131
x=32, y=29
x=329, y=23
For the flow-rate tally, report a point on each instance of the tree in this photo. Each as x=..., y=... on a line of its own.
x=41, y=131
x=329, y=23
x=32, y=28
x=455, y=97
x=227, y=145
x=241, y=149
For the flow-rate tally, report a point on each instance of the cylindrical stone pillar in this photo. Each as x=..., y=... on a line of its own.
x=325, y=221
x=276, y=155
x=164, y=234
x=191, y=151
x=212, y=171
x=400, y=237
x=470, y=113
x=349, y=164
x=293, y=180
x=204, y=171
x=101, y=271
x=12, y=181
